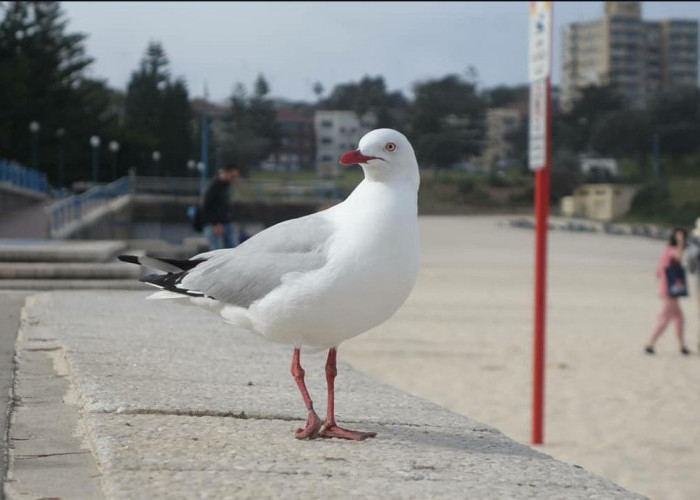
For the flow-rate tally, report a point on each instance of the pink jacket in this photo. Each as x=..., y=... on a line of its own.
x=667, y=256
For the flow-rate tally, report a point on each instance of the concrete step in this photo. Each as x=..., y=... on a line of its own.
x=67, y=270
x=74, y=284
x=12, y=250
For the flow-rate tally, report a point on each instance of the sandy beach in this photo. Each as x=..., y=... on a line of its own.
x=464, y=341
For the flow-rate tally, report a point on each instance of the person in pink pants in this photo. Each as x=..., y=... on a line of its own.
x=671, y=310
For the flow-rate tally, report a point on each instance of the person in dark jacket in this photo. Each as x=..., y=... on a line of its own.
x=215, y=212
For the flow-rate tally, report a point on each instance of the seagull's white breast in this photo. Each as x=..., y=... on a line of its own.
x=372, y=266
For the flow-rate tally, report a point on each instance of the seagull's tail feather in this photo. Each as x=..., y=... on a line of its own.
x=170, y=282
x=160, y=264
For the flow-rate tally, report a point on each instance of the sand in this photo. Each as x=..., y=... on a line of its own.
x=464, y=340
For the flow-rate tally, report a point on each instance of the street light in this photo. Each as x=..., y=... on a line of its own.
x=60, y=134
x=114, y=148
x=95, y=143
x=191, y=166
x=156, y=160
x=34, y=129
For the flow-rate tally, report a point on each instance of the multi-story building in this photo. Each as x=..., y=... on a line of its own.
x=336, y=133
x=640, y=58
x=500, y=123
x=296, y=146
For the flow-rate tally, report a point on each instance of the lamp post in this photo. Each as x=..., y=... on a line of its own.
x=34, y=129
x=114, y=148
x=156, y=160
x=60, y=134
x=192, y=167
x=202, y=169
x=95, y=143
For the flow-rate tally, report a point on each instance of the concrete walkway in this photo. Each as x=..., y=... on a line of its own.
x=169, y=402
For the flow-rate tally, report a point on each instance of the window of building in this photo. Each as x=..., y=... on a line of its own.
x=326, y=123
x=326, y=140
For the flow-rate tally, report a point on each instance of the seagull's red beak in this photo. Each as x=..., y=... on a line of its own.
x=353, y=157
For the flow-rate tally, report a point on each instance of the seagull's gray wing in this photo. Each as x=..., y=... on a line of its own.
x=247, y=273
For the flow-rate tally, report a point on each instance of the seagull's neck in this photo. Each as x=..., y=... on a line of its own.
x=397, y=195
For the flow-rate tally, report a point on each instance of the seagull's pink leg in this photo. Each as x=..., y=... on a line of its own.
x=313, y=423
x=330, y=429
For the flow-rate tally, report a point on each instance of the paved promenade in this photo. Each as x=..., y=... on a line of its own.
x=123, y=398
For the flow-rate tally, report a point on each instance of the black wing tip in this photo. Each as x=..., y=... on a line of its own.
x=184, y=265
x=169, y=283
x=131, y=259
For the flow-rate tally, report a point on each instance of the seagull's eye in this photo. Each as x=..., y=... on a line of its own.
x=390, y=146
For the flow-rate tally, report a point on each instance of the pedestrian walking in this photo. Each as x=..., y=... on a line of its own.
x=671, y=285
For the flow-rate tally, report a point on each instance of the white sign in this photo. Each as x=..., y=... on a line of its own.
x=540, y=40
x=538, y=124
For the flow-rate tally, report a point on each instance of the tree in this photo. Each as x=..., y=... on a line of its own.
x=143, y=107
x=157, y=114
x=447, y=118
x=252, y=132
x=369, y=95
x=573, y=130
x=42, y=78
x=621, y=133
x=504, y=95
x=675, y=116
x=175, y=133
x=318, y=90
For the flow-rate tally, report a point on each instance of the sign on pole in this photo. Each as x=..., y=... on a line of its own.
x=540, y=56
x=538, y=124
x=540, y=47
x=540, y=68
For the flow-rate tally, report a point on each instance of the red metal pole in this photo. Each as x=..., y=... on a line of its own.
x=541, y=215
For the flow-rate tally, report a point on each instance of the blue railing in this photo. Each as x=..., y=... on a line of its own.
x=76, y=207
x=22, y=177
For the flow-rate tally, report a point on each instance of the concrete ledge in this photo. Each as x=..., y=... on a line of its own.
x=67, y=270
x=174, y=400
x=74, y=284
x=59, y=251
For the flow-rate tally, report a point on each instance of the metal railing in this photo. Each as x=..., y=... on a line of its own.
x=76, y=207
x=23, y=177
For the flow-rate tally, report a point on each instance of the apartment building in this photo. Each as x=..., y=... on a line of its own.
x=500, y=124
x=641, y=58
x=296, y=147
x=337, y=132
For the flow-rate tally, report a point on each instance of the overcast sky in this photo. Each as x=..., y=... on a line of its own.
x=295, y=44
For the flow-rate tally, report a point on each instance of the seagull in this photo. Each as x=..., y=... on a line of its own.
x=318, y=280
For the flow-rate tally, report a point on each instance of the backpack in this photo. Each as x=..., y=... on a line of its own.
x=675, y=280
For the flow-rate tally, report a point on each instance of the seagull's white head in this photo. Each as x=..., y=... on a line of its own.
x=385, y=155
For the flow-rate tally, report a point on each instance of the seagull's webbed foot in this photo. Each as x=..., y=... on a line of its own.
x=312, y=429
x=333, y=431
